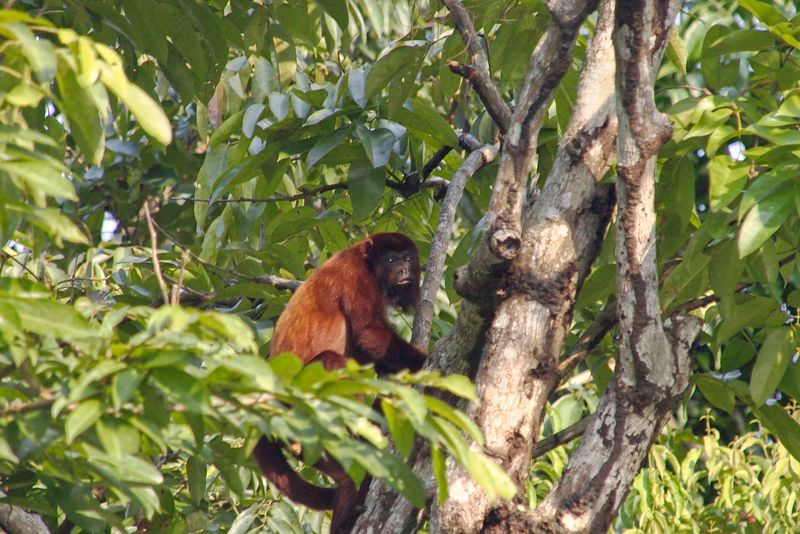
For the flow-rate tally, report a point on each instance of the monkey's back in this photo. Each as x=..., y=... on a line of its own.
x=314, y=320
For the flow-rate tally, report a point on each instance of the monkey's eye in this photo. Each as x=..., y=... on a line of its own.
x=389, y=259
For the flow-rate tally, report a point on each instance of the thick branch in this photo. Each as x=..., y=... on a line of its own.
x=548, y=64
x=457, y=353
x=17, y=521
x=653, y=366
x=560, y=238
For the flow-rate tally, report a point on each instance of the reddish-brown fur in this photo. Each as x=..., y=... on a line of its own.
x=340, y=312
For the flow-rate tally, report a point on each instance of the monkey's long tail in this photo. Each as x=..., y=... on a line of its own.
x=270, y=459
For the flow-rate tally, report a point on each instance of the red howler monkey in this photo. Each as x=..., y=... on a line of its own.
x=340, y=312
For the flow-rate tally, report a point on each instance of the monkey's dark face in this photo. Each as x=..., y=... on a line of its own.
x=397, y=272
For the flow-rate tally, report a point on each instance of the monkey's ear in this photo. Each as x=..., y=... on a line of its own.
x=368, y=246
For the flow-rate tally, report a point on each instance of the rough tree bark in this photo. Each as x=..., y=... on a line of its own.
x=522, y=280
x=653, y=366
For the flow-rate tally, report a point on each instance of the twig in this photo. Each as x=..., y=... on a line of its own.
x=602, y=324
x=545, y=445
x=481, y=77
x=176, y=287
x=435, y=160
x=421, y=332
x=16, y=409
x=277, y=198
x=405, y=188
x=702, y=90
x=5, y=254
x=275, y=281
x=154, y=253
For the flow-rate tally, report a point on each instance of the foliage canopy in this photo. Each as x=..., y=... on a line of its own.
x=167, y=167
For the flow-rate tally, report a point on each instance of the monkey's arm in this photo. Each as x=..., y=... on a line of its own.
x=388, y=350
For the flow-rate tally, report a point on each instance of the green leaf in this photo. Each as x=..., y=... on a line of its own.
x=179, y=74
x=456, y=417
x=39, y=52
x=790, y=107
x=286, y=366
x=764, y=186
x=145, y=27
x=357, y=86
x=778, y=136
x=250, y=118
x=727, y=270
x=148, y=113
x=243, y=521
x=13, y=134
x=763, y=220
x=685, y=279
x=736, y=354
x=337, y=9
x=413, y=406
x=41, y=177
x=196, y=476
x=263, y=79
x=403, y=58
x=10, y=323
x=676, y=50
x=129, y=468
x=377, y=144
x=279, y=105
x=325, y=145
x=452, y=50
x=51, y=221
x=716, y=393
x=715, y=73
x=427, y=124
x=294, y=18
x=48, y=318
x=726, y=180
x=123, y=385
x=771, y=363
x=440, y=472
x=491, y=477
x=81, y=110
x=182, y=387
x=81, y=419
x=456, y=384
x=401, y=429
x=783, y=426
x=365, y=184
x=751, y=311
x=744, y=40
x=383, y=465
x=763, y=11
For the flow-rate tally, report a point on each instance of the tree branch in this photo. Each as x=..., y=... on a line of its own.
x=559, y=238
x=434, y=271
x=563, y=437
x=17, y=521
x=479, y=73
x=547, y=66
x=653, y=366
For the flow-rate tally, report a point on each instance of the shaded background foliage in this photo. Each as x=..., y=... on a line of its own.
x=291, y=129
